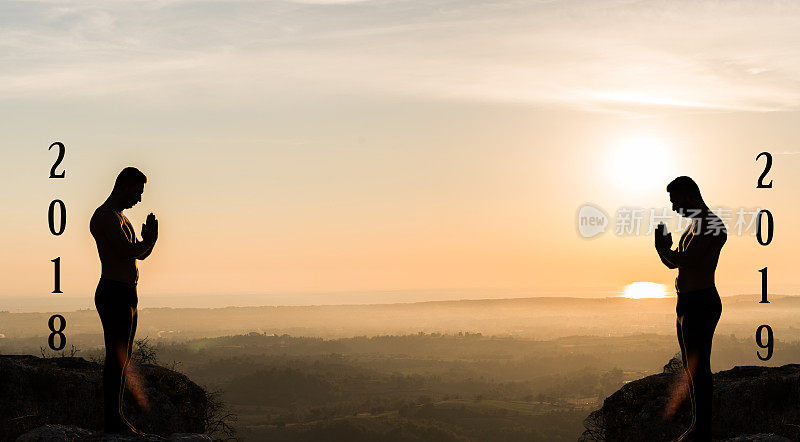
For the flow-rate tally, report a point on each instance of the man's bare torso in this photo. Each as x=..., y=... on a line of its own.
x=107, y=227
x=700, y=273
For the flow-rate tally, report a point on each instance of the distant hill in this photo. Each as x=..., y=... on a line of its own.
x=537, y=318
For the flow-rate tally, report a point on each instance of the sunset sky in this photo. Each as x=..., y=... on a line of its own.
x=384, y=151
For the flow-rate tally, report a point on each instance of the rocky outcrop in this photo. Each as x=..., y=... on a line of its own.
x=750, y=403
x=38, y=393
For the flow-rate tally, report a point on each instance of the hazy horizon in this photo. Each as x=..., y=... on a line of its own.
x=35, y=304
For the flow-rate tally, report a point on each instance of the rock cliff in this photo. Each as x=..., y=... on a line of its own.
x=750, y=403
x=37, y=392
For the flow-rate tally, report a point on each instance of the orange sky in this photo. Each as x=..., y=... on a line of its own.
x=377, y=146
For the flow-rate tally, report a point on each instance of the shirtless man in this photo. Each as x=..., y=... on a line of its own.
x=699, y=305
x=115, y=297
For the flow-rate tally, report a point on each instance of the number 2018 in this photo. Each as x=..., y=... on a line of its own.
x=57, y=206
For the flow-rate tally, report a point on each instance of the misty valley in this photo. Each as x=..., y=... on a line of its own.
x=341, y=377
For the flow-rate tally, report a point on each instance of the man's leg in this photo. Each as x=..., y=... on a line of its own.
x=131, y=333
x=116, y=325
x=134, y=321
x=698, y=331
x=686, y=367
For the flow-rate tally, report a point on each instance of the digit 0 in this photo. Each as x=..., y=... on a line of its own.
x=770, y=227
x=62, y=339
x=62, y=217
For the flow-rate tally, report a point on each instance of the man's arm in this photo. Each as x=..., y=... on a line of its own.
x=147, y=253
x=112, y=233
x=663, y=240
x=664, y=260
x=698, y=247
x=149, y=233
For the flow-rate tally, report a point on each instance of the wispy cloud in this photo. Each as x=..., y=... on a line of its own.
x=598, y=55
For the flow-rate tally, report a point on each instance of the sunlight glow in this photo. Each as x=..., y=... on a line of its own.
x=641, y=289
x=639, y=162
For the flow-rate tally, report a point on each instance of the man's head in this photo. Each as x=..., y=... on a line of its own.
x=685, y=195
x=129, y=187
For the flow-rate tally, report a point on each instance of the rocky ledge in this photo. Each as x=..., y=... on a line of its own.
x=750, y=404
x=47, y=398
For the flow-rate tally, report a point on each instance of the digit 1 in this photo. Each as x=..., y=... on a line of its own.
x=57, y=283
x=769, y=344
x=763, y=286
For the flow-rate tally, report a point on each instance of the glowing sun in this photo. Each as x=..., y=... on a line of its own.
x=640, y=162
x=641, y=289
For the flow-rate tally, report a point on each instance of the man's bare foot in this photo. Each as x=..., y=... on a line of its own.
x=692, y=435
x=130, y=429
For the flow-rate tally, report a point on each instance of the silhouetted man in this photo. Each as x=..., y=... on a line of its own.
x=115, y=297
x=699, y=305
